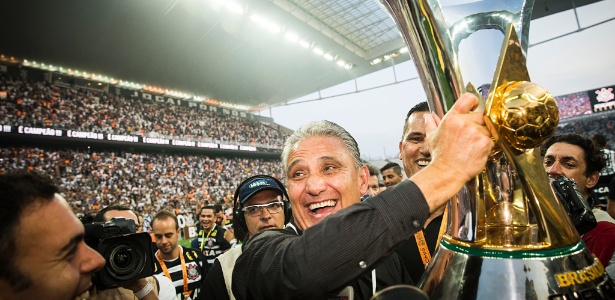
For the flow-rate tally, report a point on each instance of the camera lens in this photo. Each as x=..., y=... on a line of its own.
x=123, y=260
x=128, y=257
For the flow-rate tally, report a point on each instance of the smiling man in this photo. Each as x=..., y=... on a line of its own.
x=344, y=246
x=34, y=217
x=391, y=174
x=415, y=154
x=211, y=239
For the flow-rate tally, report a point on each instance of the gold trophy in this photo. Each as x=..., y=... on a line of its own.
x=508, y=236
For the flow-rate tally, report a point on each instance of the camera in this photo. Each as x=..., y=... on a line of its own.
x=128, y=254
x=579, y=211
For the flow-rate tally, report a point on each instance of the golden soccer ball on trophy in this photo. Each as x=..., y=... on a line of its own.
x=526, y=114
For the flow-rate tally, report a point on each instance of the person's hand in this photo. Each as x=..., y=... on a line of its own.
x=461, y=143
x=136, y=286
x=229, y=234
x=460, y=146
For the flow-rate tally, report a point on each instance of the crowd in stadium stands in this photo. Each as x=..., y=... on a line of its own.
x=573, y=105
x=598, y=124
x=146, y=182
x=41, y=104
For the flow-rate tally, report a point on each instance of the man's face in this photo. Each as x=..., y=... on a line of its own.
x=373, y=188
x=207, y=219
x=322, y=179
x=563, y=159
x=391, y=178
x=220, y=218
x=413, y=149
x=266, y=220
x=166, y=234
x=63, y=269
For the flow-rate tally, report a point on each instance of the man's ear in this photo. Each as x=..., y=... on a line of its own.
x=592, y=180
x=363, y=178
x=401, y=150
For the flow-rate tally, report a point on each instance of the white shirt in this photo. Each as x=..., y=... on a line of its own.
x=167, y=289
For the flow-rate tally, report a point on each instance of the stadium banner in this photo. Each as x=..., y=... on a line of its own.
x=602, y=99
x=87, y=135
x=149, y=97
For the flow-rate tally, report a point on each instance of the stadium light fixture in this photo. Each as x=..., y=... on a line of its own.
x=291, y=36
x=263, y=22
x=234, y=7
x=328, y=56
x=304, y=44
x=318, y=51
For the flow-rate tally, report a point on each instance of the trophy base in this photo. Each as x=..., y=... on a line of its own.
x=457, y=272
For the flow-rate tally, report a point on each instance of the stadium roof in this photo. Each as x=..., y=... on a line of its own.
x=206, y=48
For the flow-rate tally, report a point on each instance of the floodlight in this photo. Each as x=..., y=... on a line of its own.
x=304, y=44
x=291, y=37
x=234, y=7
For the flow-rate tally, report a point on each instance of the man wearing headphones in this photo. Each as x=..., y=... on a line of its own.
x=260, y=203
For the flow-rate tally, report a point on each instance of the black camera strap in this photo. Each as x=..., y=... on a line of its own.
x=187, y=293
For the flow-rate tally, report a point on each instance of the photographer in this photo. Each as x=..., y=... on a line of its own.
x=153, y=287
x=43, y=254
x=575, y=157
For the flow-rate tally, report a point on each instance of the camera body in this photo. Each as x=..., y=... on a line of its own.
x=579, y=211
x=128, y=254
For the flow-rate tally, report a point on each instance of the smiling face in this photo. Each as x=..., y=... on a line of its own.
x=266, y=220
x=322, y=179
x=207, y=218
x=413, y=149
x=63, y=270
x=391, y=178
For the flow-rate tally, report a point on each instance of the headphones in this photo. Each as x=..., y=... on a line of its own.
x=239, y=222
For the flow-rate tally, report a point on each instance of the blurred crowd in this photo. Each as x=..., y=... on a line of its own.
x=573, y=105
x=42, y=104
x=603, y=123
x=145, y=182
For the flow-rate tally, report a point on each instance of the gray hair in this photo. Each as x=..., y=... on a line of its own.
x=321, y=128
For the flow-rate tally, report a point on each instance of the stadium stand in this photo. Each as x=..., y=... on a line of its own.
x=147, y=182
x=600, y=123
x=43, y=104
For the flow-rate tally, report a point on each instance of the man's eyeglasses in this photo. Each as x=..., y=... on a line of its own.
x=257, y=209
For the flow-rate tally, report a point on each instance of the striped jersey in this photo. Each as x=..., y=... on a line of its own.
x=195, y=271
x=609, y=168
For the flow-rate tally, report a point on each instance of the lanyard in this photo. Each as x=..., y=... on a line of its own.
x=422, y=243
x=187, y=293
x=203, y=239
